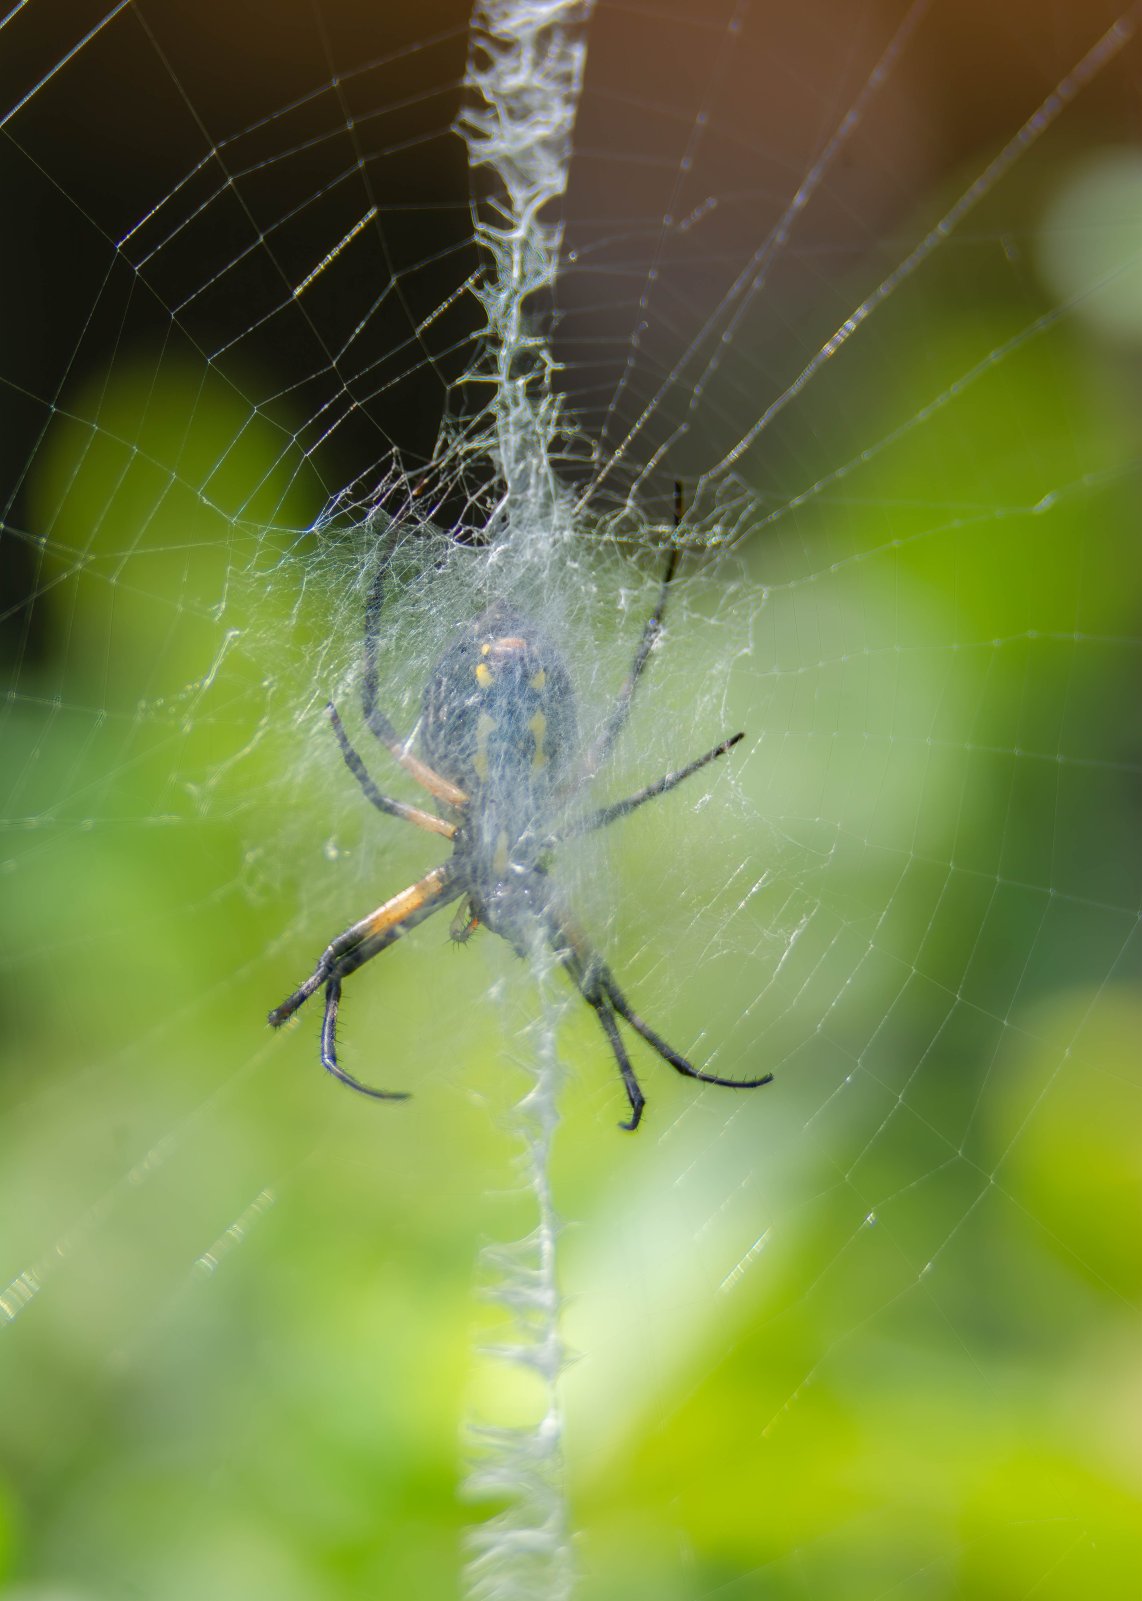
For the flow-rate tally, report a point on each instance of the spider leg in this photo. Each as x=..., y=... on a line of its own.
x=613, y=727
x=371, y=935
x=679, y=1063
x=610, y=814
x=610, y=1028
x=653, y=627
x=595, y=982
x=358, y=945
x=588, y=973
x=384, y=803
x=329, y=1049
x=442, y=788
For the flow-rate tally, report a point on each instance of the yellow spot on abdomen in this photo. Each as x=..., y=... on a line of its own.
x=500, y=859
x=539, y=680
x=484, y=675
x=484, y=726
x=538, y=727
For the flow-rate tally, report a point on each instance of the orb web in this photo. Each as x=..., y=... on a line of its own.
x=865, y=282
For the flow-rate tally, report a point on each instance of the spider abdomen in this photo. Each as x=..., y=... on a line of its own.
x=499, y=715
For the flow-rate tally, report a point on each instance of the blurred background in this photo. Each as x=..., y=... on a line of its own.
x=870, y=1331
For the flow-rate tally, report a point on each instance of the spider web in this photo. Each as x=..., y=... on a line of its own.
x=865, y=280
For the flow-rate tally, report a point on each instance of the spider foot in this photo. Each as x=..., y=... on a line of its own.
x=367, y=1089
x=636, y=1109
x=285, y=1009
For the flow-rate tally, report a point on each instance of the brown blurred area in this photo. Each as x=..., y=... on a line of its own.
x=244, y=125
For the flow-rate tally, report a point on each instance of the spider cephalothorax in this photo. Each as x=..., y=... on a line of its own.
x=502, y=760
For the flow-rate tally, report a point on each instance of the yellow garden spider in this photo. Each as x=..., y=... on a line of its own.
x=499, y=735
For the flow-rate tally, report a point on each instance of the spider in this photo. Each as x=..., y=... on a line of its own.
x=499, y=737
